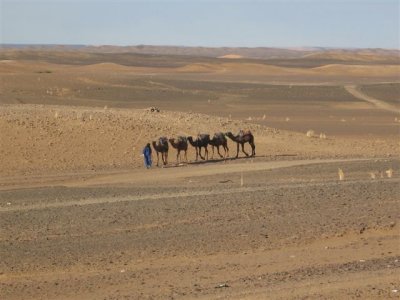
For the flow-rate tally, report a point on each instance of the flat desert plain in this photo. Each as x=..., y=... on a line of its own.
x=310, y=216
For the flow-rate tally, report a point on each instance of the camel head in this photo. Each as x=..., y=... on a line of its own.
x=229, y=134
x=193, y=143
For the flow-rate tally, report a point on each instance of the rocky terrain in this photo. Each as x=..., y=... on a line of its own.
x=314, y=214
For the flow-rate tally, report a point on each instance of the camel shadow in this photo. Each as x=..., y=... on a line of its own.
x=217, y=160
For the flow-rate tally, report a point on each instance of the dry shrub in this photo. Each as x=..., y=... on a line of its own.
x=287, y=119
x=389, y=173
x=341, y=174
x=372, y=174
x=310, y=133
x=322, y=136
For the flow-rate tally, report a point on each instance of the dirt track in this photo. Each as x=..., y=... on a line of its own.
x=378, y=103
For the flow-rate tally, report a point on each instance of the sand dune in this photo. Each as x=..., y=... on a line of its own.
x=359, y=70
x=15, y=66
x=271, y=70
x=231, y=56
x=361, y=55
x=234, y=68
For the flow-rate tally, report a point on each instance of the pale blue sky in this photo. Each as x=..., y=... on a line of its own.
x=268, y=23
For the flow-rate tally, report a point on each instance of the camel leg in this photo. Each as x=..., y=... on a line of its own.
x=237, y=150
x=219, y=152
x=226, y=150
x=166, y=158
x=157, y=158
x=205, y=153
x=212, y=152
x=200, y=154
x=186, y=156
x=244, y=151
x=177, y=157
x=253, y=149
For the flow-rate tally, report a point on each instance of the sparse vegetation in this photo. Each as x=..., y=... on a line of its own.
x=310, y=133
x=389, y=173
x=341, y=174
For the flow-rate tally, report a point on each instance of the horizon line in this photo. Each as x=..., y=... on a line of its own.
x=298, y=48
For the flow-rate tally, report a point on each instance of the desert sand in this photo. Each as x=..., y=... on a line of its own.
x=313, y=215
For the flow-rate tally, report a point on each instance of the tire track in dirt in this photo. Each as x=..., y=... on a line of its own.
x=352, y=89
x=166, y=174
x=163, y=196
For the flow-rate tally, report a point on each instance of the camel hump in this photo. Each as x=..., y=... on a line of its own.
x=163, y=140
x=203, y=136
x=245, y=132
x=182, y=138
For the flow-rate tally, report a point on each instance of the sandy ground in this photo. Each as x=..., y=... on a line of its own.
x=291, y=230
x=80, y=218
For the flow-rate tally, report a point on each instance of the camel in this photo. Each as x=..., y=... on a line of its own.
x=201, y=141
x=161, y=146
x=242, y=138
x=180, y=144
x=219, y=139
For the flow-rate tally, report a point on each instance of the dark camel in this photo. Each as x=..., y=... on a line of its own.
x=180, y=144
x=201, y=141
x=242, y=138
x=219, y=139
x=161, y=146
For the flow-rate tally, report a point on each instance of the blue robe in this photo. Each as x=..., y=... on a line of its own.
x=147, y=156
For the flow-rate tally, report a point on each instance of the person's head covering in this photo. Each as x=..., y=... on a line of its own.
x=148, y=145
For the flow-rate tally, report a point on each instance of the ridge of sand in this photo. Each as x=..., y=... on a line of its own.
x=231, y=56
x=361, y=56
x=359, y=70
x=44, y=139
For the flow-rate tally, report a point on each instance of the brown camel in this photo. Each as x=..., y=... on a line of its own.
x=219, y=139
x=180, y=144
x=201, y=141
x=161, y=146
x=242, y=138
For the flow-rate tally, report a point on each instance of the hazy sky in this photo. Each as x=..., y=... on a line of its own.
x=270, y=23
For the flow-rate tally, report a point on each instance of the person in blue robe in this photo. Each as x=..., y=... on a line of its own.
x=147, y=156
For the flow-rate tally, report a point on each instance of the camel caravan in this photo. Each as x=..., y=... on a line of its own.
x=181, y=144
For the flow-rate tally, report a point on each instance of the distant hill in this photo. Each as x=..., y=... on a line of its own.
x=181, y=55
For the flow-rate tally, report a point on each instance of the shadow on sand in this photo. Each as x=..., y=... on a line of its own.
x=214, y=160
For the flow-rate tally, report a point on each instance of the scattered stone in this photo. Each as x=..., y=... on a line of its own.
x=222, y=285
